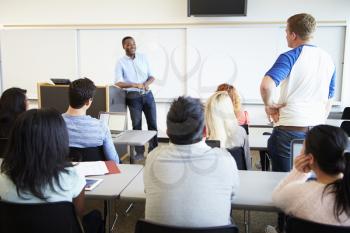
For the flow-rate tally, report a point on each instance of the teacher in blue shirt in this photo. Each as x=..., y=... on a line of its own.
x=134, y=75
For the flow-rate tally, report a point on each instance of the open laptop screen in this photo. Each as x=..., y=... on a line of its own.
x=116, y=122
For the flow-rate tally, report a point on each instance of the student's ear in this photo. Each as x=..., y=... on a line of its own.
x=312, y=159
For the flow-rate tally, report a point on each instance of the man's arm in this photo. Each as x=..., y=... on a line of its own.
x=148, y=82
x=267, y=88
x=128, y=85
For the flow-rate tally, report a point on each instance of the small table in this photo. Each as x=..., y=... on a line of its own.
x=111, y=187
x=133, y=138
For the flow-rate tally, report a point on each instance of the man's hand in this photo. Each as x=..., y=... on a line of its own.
x=273, y=112
x=139, y=85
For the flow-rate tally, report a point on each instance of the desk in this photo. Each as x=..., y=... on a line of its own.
x=111, y=187
x=254, y=192
x=258, y=141
x=133, y=138
x=263, y=123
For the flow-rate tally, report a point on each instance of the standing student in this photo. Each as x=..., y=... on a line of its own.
x=13, y=102
x=36, y=167
x=133, y=73
x=326, y=199
x=187, y=183
x=86, y=131
x=306, y=75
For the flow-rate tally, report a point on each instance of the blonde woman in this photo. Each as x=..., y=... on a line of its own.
x=242, y=116
x=222, y=124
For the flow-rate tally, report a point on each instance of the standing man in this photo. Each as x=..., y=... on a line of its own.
x=306, y=75
x=134, y=75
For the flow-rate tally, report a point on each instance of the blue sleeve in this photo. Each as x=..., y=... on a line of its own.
x=332, y=85
x=108, y=147
x=119, y=72
x=283, y=65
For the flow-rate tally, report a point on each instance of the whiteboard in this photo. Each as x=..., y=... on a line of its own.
x=32, y=56
x=242, y=55
x=99, y=51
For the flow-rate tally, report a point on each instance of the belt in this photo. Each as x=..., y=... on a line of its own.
x=141, y=91
x=295, y=128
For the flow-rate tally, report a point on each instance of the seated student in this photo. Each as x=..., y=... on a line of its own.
x=37, y=171
x=325, y=200
x=13, y=102
x=242, y=116
x=86, y=131
x=187, y=183
x=222, y=125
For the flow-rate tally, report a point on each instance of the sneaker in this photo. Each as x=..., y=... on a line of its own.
x=270, y=229
x=138, y=157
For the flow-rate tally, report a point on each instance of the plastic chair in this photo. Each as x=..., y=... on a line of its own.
x=144, y=226
x=345, y=125
x=54, y=217
x=77, y=154
x=297, y=225
x=346, y=113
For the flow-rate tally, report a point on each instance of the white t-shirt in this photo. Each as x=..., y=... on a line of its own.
x=72, y=184
x=190, y=185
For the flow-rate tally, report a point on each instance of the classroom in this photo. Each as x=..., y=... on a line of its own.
x=188, y=54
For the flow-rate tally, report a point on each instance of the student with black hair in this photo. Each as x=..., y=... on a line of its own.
x=85, y=131
x=13, y=102
x=36, y=168
x=188, y=183
x=327, y=199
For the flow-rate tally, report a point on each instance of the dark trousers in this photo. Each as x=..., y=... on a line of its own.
x=138, y=103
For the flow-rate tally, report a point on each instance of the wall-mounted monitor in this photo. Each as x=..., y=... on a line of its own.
x=217, y=8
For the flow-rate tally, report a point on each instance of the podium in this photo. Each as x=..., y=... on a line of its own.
x=106, y=99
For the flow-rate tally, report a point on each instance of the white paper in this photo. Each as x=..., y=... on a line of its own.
x=95, y=168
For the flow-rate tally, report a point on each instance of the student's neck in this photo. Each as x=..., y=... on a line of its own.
x=76, y=111
x=300, y=43
x=327, y=179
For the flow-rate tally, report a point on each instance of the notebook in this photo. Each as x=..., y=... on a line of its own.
x=115, y=121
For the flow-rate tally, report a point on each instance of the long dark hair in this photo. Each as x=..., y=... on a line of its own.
x=327, y=144
x=37, y=152
x=12, y=103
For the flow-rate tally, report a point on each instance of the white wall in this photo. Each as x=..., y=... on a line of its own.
x=53, y=12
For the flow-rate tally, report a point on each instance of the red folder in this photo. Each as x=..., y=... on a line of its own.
x=112, y=167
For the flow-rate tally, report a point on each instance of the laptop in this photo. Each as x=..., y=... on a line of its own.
x=115, y=121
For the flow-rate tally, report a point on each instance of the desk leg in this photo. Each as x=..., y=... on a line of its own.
x=246, y=220
x=110, y=219
x=132, y=149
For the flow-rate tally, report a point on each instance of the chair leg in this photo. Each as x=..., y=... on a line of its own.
x=246, y=220
x=128, y=210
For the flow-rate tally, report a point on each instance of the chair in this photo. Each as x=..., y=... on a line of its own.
x=213, y=143
x=246, y=127
x=239, y=155
x=345, y=125
x=297, y=225
x=55, y=217
x=144, y=226
x=77, y=154
x=346, y=113
x=3, y=146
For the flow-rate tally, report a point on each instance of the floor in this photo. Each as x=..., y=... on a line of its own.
x=126, y=221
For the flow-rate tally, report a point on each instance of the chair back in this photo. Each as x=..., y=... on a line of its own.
x=239, y=155
x=346, y=114
x=55, y=217
x=345, y=125
x=297, y=225
x=86, y=154
x=3, y=146
x=144, y=226
x=213, y=143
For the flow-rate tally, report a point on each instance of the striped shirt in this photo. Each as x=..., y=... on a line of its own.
x=86, y=131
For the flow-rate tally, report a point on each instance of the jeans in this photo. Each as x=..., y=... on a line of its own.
x=278, y=147
x=138, y=103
